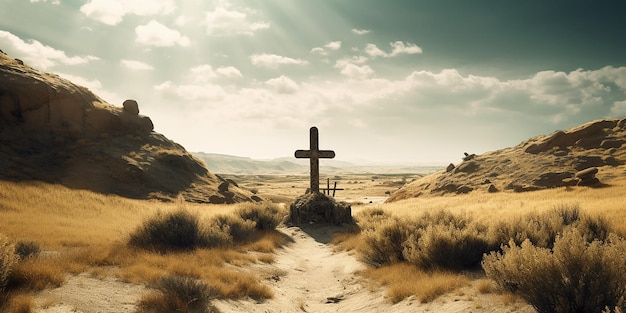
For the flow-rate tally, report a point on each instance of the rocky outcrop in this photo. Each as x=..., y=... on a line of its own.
x=575, y=157
x=55, y=131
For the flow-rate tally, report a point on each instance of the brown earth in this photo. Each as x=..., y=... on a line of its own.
x=542, y=162
x=54, y=131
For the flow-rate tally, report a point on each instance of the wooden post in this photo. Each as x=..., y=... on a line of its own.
x=314, y=154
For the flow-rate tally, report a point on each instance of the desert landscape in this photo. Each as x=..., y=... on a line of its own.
x=102, y=212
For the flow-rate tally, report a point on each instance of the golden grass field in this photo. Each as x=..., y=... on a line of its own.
x=84, y=231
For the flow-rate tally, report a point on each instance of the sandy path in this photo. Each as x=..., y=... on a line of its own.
x=310, y=276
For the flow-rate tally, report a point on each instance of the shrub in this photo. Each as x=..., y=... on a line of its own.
x=542, y=229
x=179, y=294
x=27, y=249
x=443, y=217
x=266, y=216
x=445, y=247
x=575, y=276
x=237, y=229
x=370, y=218
x=7, y=259
x=384, y=244
x=174, y=231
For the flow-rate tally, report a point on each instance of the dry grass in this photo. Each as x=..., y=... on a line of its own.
x=81, y=231
x=403, y=280
x=20, y=303
x=490, y=207
x=495, y=218
x=59, y=218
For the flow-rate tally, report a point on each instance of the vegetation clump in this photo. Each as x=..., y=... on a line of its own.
x=179, y=294
x=181, y=230
x=174, y=231
x=559, y=260
x=265, y=217
x=439, y=240
x=7, y=259
x=573, y=276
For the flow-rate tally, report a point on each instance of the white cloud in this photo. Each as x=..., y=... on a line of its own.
x=319, y=50
x=94, y=86
x=273, y=60
x=229, y=71
x=136, y=65
x=225, y=22
x=283, y=84
x=202, y=73
x=38, y=55
x=111, y=12
x=334, y=45
x=341, y=63
x=373, y=51
x=400, y=48
x=55, y=2
x=360, y=31
x=618, y=109
x=159, y=35
x=194, y=95
x=357, y=72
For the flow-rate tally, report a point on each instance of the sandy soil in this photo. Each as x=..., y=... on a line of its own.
x=86, y=294
x=309, y=275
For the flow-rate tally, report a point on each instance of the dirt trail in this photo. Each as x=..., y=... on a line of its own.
x=310, y=276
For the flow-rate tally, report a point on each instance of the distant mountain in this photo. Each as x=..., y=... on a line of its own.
x=228, y=164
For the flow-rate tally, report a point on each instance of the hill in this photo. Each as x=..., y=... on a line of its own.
x=54, y=131
x=237, y=165
x=590, y=155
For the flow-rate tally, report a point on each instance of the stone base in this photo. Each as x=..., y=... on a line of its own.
x=312, y=208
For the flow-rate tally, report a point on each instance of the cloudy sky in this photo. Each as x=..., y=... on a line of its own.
x=387, y=81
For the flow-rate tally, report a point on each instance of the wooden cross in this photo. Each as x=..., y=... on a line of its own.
x=314, y=154
x=328, y=189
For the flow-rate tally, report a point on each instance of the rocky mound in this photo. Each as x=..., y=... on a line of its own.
x=55, y=131
x=563, y=158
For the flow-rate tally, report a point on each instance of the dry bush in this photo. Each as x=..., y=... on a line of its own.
x=443, y=217
x=179, y=294
x=384, y=244
x=485, y=286
x=8, y=258
x=442, y=246
x=403, y=280
x=370, y=218
x=27, y=249
x=173, y=231
x=37, y=274
x=238, y=285
x=266, y=216
x=575, y=276
x=434, y=240
x=542, y=229
x=236, y=229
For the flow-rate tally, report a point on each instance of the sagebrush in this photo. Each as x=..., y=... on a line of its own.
x=574, y=276
x=179, y=294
